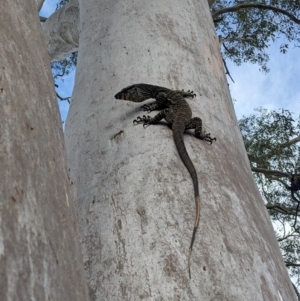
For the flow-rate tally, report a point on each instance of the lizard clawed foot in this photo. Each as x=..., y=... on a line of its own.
x=146, y=108
x=145, y=120
x=207, y=138
x=188, y=94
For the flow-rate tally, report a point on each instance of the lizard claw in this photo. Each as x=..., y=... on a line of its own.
x=145, y=120
x=146, y=108
x=188, y=94
x=206, y=137
x=209, y=139
x=191, y=93
x=137, y=120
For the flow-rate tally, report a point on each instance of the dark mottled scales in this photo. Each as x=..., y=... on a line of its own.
x=177, y=112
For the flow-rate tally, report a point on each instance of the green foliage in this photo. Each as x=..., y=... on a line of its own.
x=266, y=137
x=248, y=33
x=270, y=139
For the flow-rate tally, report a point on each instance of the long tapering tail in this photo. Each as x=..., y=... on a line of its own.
x=178, y=130
x=197, y=201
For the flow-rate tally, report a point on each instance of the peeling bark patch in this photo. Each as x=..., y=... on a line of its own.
x=142, y=213
x=120, y=224
x=118, y=134
x=17, y=196
x=220, y=297
x=227, y=244
x=265, y=289
x=30, y=126
x=121, y=248
x=120, y=266
x=170, y=264
x=144, y=295
x=53, y=250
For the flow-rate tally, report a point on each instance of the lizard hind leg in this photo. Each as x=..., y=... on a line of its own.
x=196, y=123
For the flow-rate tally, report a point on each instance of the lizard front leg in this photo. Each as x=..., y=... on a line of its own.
x=153, y=106
x=147, y=120
x=196, y=123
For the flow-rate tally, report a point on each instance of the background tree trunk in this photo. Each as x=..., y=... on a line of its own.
x=40, y=256
x=61, y=31
x=134, y=196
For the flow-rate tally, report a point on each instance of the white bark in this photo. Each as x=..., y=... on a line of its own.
x=40, y=256
x=134, y=196
x=61, y=31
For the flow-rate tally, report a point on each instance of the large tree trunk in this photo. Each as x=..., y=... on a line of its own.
x=40, y=255
x=134, y=196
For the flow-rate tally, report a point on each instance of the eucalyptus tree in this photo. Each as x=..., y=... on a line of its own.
x=40, y=254
x=133, y=194
x=272, y=142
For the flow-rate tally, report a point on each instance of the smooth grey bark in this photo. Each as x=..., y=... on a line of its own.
x=134, y=197
x=40, y=255
x=61, y=31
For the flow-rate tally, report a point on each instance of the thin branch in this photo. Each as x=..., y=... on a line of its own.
x=60, y=74
x=63, y=98
x=237, y=7
x=222, y=41
x=293, y=141
x=291, y=264
x=281, y=146
x=275, y=173
x=274, y=151
x=281, y=209
x=227, y=71
x=252, y=158
x=287, y=236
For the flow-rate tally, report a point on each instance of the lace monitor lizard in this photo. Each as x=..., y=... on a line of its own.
x=177, y=112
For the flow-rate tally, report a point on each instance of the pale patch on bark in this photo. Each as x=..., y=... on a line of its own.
x=61, y=31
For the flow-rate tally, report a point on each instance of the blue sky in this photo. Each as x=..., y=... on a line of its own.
x=280, y=88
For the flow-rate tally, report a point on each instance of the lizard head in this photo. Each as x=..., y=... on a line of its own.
x=135, y=93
